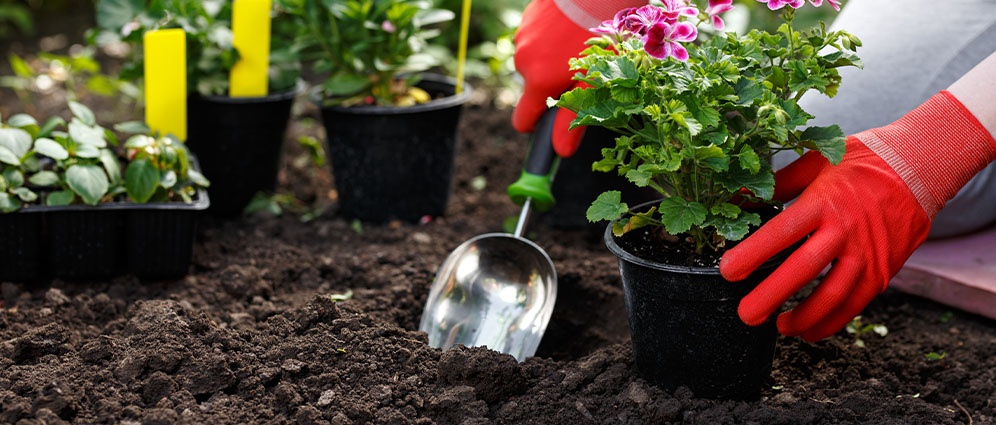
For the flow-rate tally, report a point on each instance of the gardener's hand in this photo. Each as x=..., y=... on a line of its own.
x=865, y=216
x=545, y=42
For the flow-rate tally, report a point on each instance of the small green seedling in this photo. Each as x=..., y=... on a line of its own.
x=946, y=317
x=342, y=297
x=59, y=163
x=932, y=356
x=858, y=329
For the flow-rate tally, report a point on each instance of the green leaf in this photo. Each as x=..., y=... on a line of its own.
x=8, y=157
x=433, y=16
x=139, y=141
x=16, y=140
x=680, y=215
x=725, y=209
x=639, y=177
x=762, y=184
x=636, y=221
x=83, y=113
x=608, y=206
x=596, y=107
x=710, y=156
x=13, y=177
x=87, y=151
x=87, y=181
x=51, y=149
x=19, y=66
x=704, y=114
x=26, y=195
x=141, y=180
x=60, y=198
x=749, y=159
x=44, y=178
x=84, y=134
x=686, y=120
x=9, y=204
x=198, y=179
x=51, y=124
x=168, y=179
x=111, y=165
x=114, y=14
x=734, y=229
x=24, y=122
x=829, y=141
x=132, y=127
x=747, y=91
x=346, y=84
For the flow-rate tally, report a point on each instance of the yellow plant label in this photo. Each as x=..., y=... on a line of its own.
x=166, y=81
x=251, y=29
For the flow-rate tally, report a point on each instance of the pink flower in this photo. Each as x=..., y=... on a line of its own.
x=615, y=26
x=778, y=4
x=834, y=3
x=664, y=40
x=674, y=8
x=638, y=21
x=387, y=26
x=715, y=8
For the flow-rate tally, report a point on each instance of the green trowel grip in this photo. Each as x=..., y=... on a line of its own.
x=539, y=167
x=532, y=186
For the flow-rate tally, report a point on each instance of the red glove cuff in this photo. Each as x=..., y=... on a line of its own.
x=589, y=13
x=935, y=149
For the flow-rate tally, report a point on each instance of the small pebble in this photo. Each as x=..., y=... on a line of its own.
x=421, y=238
x=326, y=398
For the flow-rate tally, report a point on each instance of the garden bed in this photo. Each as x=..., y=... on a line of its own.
x=253, y=336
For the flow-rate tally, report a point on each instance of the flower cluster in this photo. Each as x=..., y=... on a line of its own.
x=795, y=4
x=663, y=28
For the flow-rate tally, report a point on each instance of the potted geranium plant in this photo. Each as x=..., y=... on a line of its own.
x=698, y=117
x=391, y=128
x=77, y=205
x=238, y=140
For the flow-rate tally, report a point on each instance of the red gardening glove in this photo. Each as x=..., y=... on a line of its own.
x=544, y=44
x=865, y=215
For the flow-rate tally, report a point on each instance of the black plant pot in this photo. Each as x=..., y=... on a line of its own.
x=685, y=328
x=151, y=241
x=576, y=186
x=239, y=142
x=395, y=163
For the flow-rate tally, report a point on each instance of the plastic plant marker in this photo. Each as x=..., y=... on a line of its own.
x=166, y=81
x=462, y=50
x=251, y=28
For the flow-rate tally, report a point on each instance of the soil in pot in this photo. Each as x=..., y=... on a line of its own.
x=395, y=163
x=683, y=319
x=239, y=142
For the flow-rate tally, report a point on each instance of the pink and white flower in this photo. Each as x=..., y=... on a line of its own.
x=672, y=9
x=717, y=7
x=641, y=19
x=833, y=3
x=664, y=40
x=778, y=4
x=615, y=26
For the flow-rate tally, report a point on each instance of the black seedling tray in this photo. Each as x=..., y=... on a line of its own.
x=152, y=241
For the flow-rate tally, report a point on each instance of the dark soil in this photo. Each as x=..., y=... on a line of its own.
x=253, y=335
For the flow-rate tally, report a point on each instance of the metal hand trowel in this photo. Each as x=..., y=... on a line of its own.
x=498, y=289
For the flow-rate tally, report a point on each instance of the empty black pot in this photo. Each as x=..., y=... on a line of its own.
x=395, y=163
x=685, y=328
x=239, y=141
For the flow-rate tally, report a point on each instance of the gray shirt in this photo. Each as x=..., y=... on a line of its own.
x=912, y=49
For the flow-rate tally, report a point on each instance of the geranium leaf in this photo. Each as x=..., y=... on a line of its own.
x=680, y=215
x=608, y=206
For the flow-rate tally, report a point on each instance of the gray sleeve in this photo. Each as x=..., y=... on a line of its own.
x=912, y=49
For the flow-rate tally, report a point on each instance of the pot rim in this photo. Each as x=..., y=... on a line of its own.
x=432, y=105
x=610, y=243
x=273, y=97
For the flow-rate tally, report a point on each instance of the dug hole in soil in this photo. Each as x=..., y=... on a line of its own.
x=253, y=336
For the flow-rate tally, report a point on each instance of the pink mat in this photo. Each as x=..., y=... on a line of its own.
x=960, y=272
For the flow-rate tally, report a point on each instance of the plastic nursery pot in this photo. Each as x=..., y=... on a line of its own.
x=575, y=185
x=396, y=163
x=152, y=241
x=239, y=142
x=685, y=329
